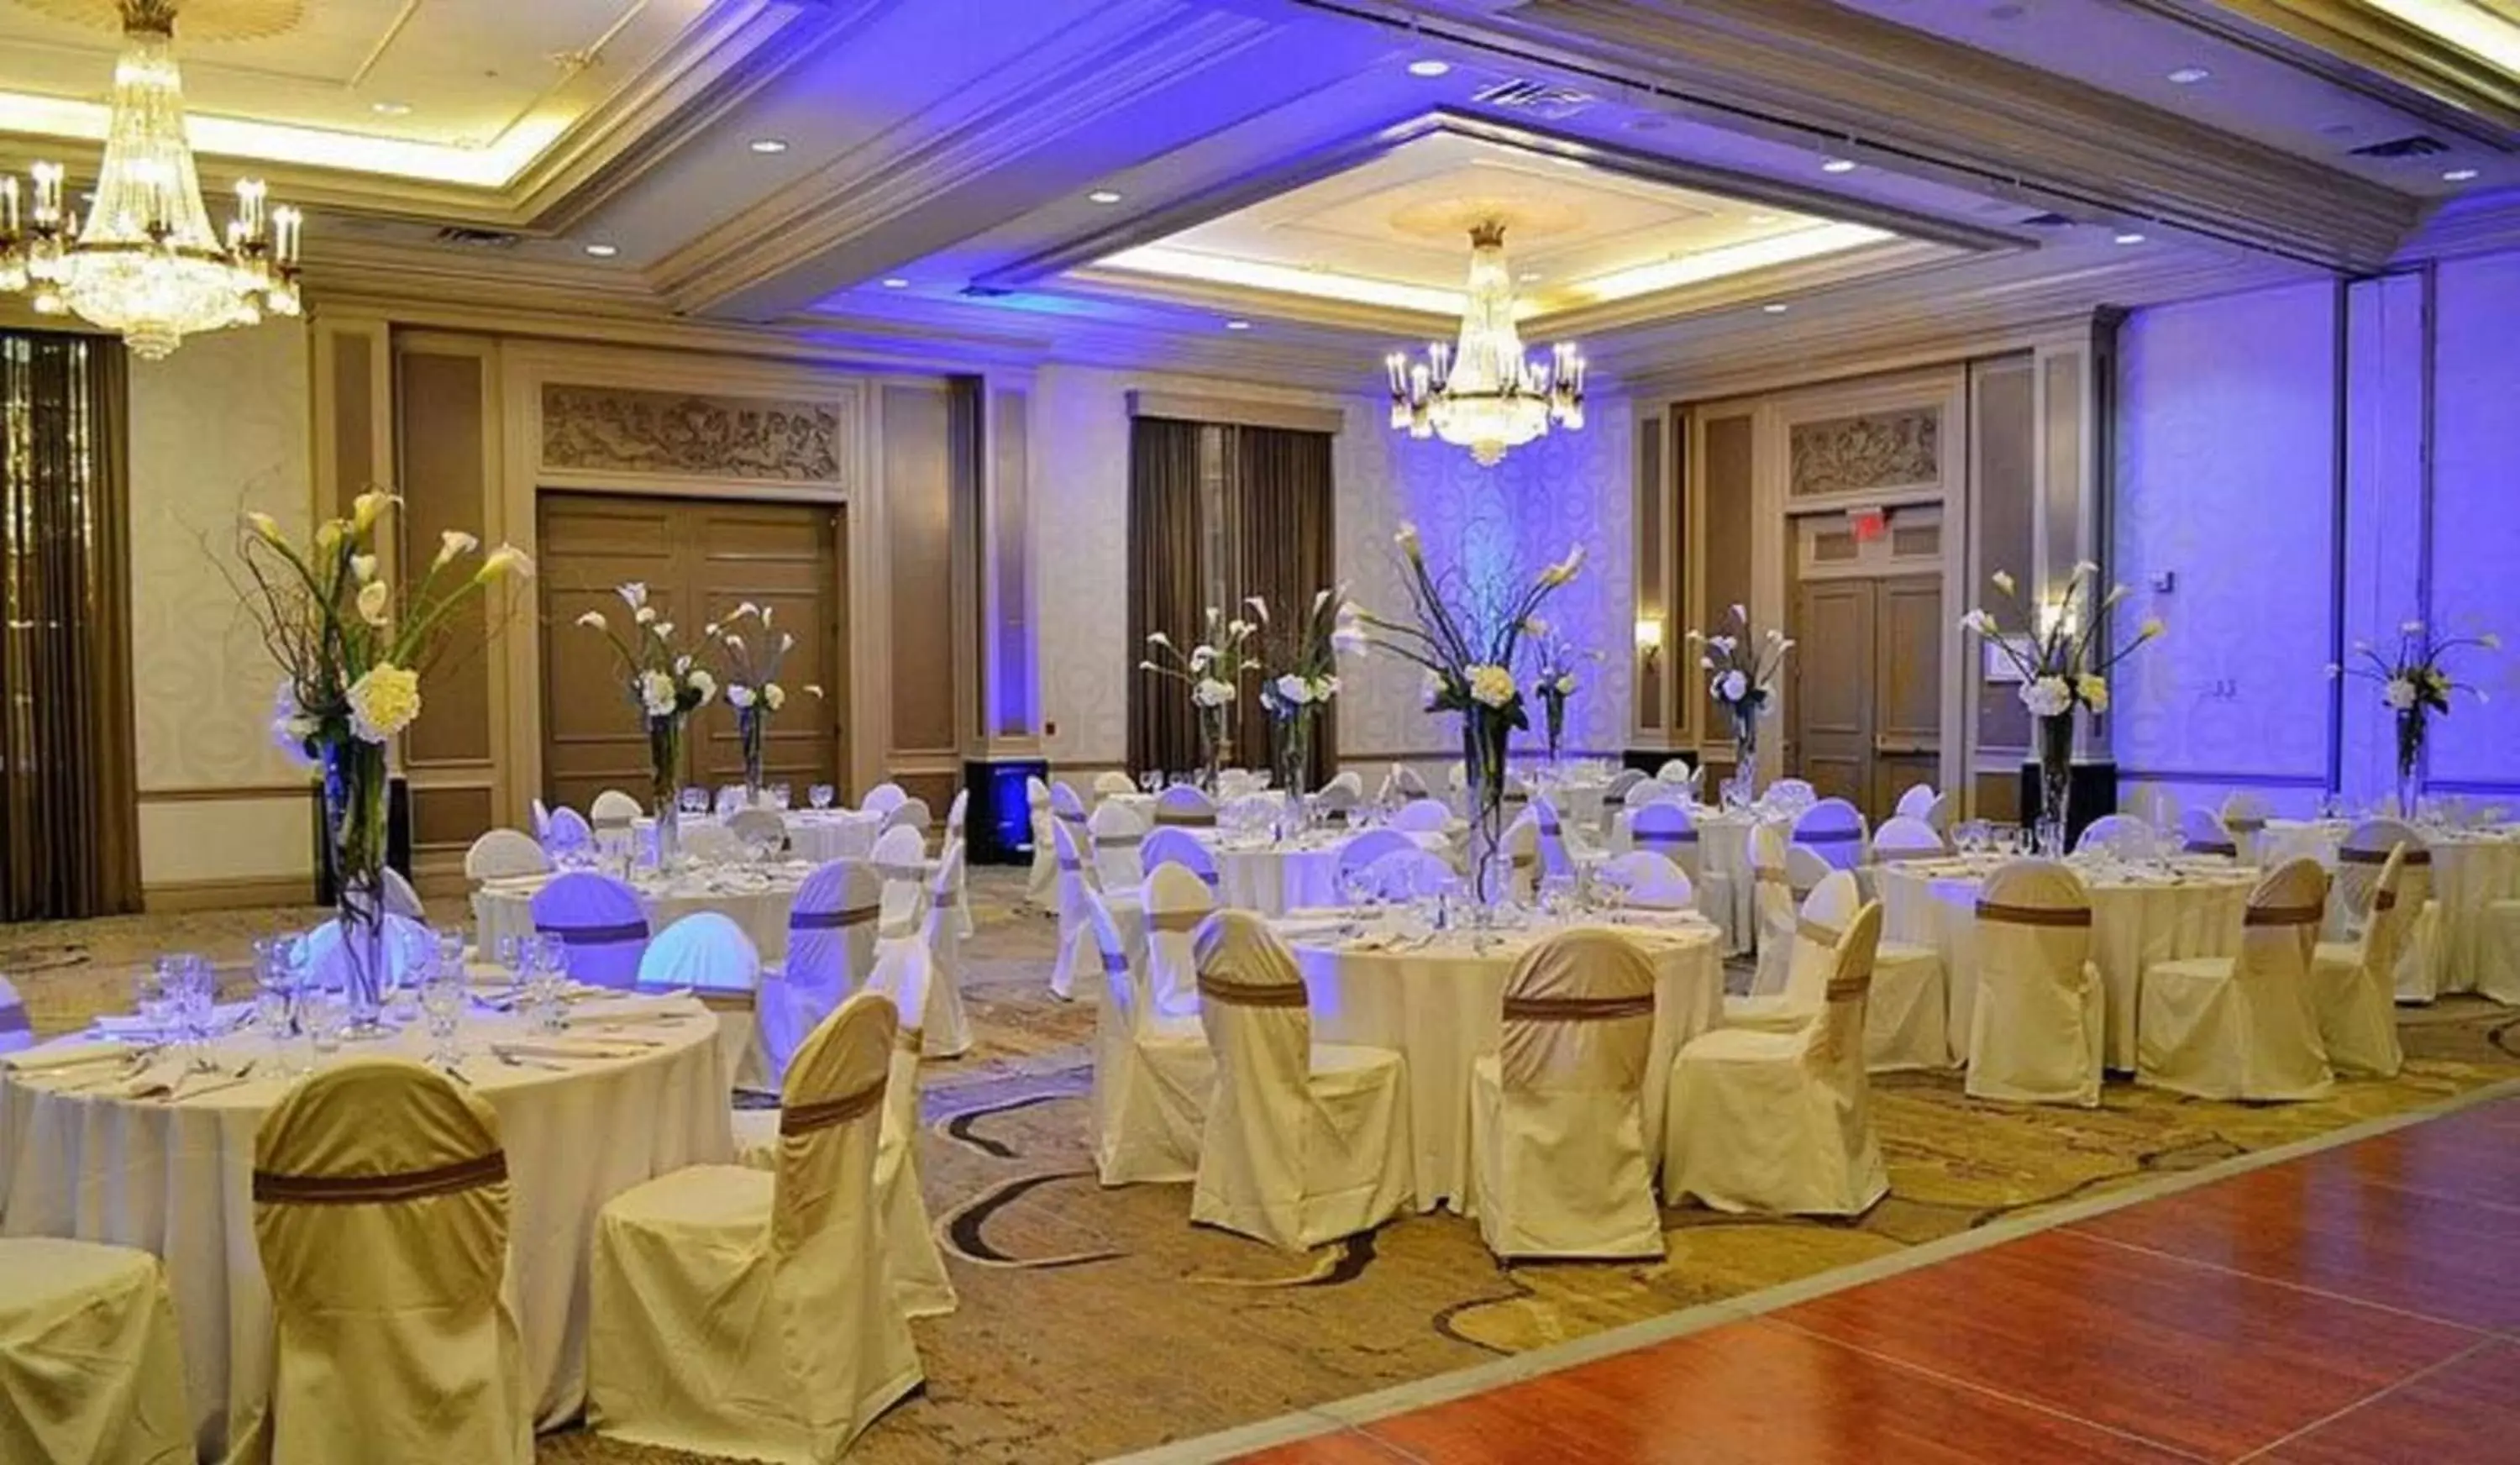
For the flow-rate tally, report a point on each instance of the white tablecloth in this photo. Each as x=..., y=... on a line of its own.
x=176, y=1180
x=815, y=835
x=2471, y=869
x=2134, y=922
x=1274, y=879
x=1723, y=848
x=505, y=907
x=1441, y=1005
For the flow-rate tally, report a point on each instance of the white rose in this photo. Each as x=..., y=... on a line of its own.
x=634, y=594
x=1293, y=690
x=2398, y=694
x=738, y=695
x=657, y=693
x=1210, y=692
x=2002, y=581
x=1491, y=685
x=1731, y=686
x=384, y=701
x=2046, y=696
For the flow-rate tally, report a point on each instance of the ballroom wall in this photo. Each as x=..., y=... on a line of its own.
x=1497, y=523
x=2271, y=456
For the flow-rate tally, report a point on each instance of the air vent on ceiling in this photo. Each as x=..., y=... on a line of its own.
x=984, y=293
x=476, y=238
x=2415, y=145
x=1541, y=99
x=2047, y=221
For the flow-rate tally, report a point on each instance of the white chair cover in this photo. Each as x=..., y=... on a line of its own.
x=1407, y=874
x=1115, y=782
x=965, y=926
x=2242, y=1027
x=2036, y=1031
x=900, y=861
x=707, y=953
x=1408, y=782
x=400, y=898
x=504, y=854
x=381, y=1215
x=2246, y=815
x=1782, y=1121
x=1832, y=829
x=1041, y=888
x=1304, y=1142
x=1906, y=1021
x=408, y=944
x=1117, y=834
x=884, y=798
x=945, y=1028
x=1666, y=827
x=1773, y=902
x=742, y=1313
x=2115, y=832
x=921, y=1288
x=1650, y=881
x=542, y=819
x=1944, y=812
x=1184, y=806
x=1916, y=802
x=1179, y=845
x=909, y=813
x=2359, y=861
x=568, y=830
x=1362, y=852
x=91, y=1364
x=17, y=1030
x=711, y=842
x=1422, y=816
x=1556, y=862
x=1559, y=1163
x=2353, y=984
x=1674, y=770
x=600, y=924
x=1906, y=836
x=2204, y=834
x=1074, y=884
x=765, y=828
x=1177, y=904
x=1152, y=1074
x=831, y=950
x=614, y=810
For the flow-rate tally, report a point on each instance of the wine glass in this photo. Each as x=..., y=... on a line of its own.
x=441, y=1006
x=819, y=795
x=695, y=800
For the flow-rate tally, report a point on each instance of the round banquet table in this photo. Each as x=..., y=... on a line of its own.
x=815, y=835
x=1722, y=849
x=175, y=1179
x=756, y=898
x=2138, y=919
x=2472, y=869
x=1276, y=876
x=1440, y=1004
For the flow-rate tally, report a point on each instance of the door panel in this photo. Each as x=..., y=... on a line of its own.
x=1907, y=688
x=1833, y=698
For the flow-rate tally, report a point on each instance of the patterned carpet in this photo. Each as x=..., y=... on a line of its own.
x=1098, y=1321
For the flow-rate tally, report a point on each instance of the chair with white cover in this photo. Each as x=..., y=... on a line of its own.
x=1520, y=849
x=381, y=1216
x=2242, y=1027
x=759, y=829
x=1239, y=783
x=568, y=830
x=1342, y=792
x=1041, y=886
x=1906, y=836
x=2498, y=952
x=1834, y=830
x=1794, y=792
x=900, y=861
x=2359, y=861
x=1304, y=1141
x=542, y=819
x=1667, y=829
x=1407, y=874
x=2202, y=833
x=741, y=1312
x=1649, y=882
x=1179, y=845
x=955, y=814
x=1407, y=783
x=1559, y=1166
x=1556, y=861
x=1152, y=1073
x=1781, y=1122
x=1675, y=770
x=1421, y=817
x=1614, y=799
x=614, y=810
x=1365, y=851
x=1120, y=862
x=1184, y=806
x=1915, y=801
x=2036, y=1030
x=598, y=921
x=1907, y=1010
x=17, y=1030
x=505, y=855
x=400, y=898
x=831, y=950
x=711, y=842
x=1106, y=784
x=1781, y=880
x=2353, y=984
x=707, y=955
x=945, y=1026
x=884, y=798
x=91, y=1362
x=1075, y=882
x=2244, y=814
x=1944, y=812
x=909, y=813
x=2117, y=835
x=1178, y=903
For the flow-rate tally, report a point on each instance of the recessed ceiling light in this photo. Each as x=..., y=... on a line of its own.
x=766, y=145
x=1526, y=275
x=1775, y=307
x=2189, y=75
x=895, y=282
x=2458, y=175
x=1429, y=67
x=1838, y=165
x=1103, y=196
x=1238, y=324
x=604, y=252
x=2130, y=236
x=389, y=109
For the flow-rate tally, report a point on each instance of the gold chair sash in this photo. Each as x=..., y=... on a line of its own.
x=2381, y=856
x=1243, y=994
x=1578, y=1009
x=2283, y=916
x=806, y=1118
x=2035, y=915
x=278, y=1188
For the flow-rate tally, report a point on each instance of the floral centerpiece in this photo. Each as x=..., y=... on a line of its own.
x=1741, y=670
x=2062, y=667
x=1300, y=675
x=667, y=683
x=2415, y=684
x=1213, y=670
x=351, y=651
x=1554, y=680
x=751, y=683
x=1469, y=661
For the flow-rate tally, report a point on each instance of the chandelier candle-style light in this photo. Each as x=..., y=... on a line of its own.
x=146, y=263
x=1482, y=394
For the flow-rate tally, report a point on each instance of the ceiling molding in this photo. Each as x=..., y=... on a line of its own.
x=2371, y=52
x=1815, y=74
x=2478, y=225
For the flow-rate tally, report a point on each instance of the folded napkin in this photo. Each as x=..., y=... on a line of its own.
x=574, y=1047
x=1310, y=930
x=59, y=1055
x=634, y=1009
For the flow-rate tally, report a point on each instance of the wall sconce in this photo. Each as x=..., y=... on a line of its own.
x=1650, y=639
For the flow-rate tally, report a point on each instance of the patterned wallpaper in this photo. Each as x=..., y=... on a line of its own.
x=218, y=427
x=1511, y=519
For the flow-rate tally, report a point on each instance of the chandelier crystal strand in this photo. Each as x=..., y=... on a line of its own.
x=147, y=264
x=1483, y=394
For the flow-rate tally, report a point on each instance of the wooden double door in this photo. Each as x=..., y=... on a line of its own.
x=700, y=559
x=1867, y=678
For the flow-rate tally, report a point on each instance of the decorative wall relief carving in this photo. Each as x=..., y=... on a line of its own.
x=1871, y=450
x=619, y=429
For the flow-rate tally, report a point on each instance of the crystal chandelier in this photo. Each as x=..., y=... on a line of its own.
x=146, y=263
x=1481, y=394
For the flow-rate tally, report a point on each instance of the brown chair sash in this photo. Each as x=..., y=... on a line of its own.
x=2245, y=826
x=2381, y=856
x=2221, y=847
x=1176, y=920
x=1117, y=841
x=1072, y=865
x=1816, y=933
x=1769, y=875
x=1578, y=1009
x=2035, y=915
x=905, y=1040
x=831, y=920
x=1848, y=986
x=1881, y=855
x=2385, y=900
x=1115, y=963
x=1550, y=828
x=1659, y=839
x=273, y=1187
x=2283, y=916
x=613, y=934
x=1243, y=994
x=1827, y=837
x=910, y=872
x=806, y=1118
x=1196, y=819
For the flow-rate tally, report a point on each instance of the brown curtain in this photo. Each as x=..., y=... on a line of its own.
x=1278, y=494
x=1167, y=585
x=70, y=841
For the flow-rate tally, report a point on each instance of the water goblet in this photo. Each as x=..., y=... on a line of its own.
x=819, y=795
x=326, y=1013
x=441, y=1006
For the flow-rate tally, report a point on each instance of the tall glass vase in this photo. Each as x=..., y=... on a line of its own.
x=2411, y=760
x=354, y=825
x=665, y=786
x=1741, y=790
x=1552, y=710
x=1215, y=743
x=1483, y=747
x=2055, y=785
x=751, y=726
x=1295, y=753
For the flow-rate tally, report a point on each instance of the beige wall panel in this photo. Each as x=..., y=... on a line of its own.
x=449, y=818
x=443, y=408
x=1727, y=520
x=919, y=507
